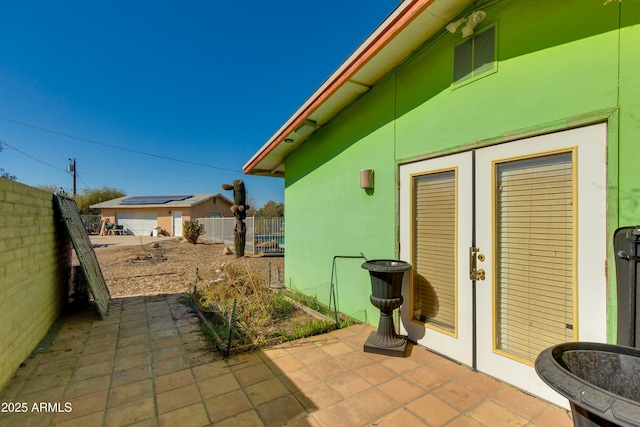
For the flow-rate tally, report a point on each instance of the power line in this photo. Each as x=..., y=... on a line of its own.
x=31, y=157
x=85, y=184
x=115, y=146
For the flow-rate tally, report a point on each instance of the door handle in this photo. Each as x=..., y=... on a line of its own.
x=474, y=257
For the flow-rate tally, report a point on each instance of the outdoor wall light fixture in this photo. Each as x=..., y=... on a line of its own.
x=366, y=179
x=307, y=127
x=452, y=27
x=471, y=21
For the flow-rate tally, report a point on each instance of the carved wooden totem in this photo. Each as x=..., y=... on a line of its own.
x=239, y=210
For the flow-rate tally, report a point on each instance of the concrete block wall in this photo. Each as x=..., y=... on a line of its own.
x=35, y=264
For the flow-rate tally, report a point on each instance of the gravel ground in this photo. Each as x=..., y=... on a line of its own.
x=168, y=265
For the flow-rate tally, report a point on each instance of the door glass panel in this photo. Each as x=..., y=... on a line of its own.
x=434, y=243
x=535, y=248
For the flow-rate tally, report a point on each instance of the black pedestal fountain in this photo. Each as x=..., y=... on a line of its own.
x=601, y=381
x=386, y=288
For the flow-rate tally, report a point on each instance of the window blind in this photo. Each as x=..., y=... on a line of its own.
x=434, y=286
x=534, y=234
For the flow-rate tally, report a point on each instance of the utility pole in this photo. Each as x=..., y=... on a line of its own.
x=72, y=168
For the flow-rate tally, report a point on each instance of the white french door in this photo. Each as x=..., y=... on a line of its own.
x=435, y=229
x=539, y=251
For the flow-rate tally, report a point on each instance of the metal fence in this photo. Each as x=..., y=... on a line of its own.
x=264, y=235
x=91, y=223
x=269, y=235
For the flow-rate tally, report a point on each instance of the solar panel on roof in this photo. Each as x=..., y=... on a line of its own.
x=153, y=200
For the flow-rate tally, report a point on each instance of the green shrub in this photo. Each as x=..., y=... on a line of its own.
x=191, y=230
x=311, y=302
x=281, y=306
x=314, y=327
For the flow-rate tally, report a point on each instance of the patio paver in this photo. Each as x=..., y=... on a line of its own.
x=148, y=364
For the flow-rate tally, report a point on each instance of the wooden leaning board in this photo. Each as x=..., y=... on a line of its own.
x=86, y=254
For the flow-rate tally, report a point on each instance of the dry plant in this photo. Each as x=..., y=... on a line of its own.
x=233, y=283
x=261, y=315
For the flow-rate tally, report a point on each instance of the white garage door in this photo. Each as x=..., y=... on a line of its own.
x=137, y=223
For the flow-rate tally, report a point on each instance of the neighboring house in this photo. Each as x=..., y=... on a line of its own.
x=520, y=140
x=139, y=215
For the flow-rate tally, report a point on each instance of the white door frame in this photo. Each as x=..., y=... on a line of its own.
x=457, y=346
x=589, y=143
x=177, y=226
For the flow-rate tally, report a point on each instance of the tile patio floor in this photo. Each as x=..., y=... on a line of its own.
x=148, y=364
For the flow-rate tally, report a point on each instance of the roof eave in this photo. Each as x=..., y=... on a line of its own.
x=406, y=27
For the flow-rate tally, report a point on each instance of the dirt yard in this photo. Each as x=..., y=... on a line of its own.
x=168, y=266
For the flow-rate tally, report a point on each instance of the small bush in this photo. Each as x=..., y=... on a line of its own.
x=191, y=230
x=315, y=327
x=280, y=306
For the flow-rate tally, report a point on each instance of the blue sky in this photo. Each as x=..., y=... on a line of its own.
x=203, y=81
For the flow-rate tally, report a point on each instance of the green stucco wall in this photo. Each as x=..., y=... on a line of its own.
x=330, y=215
x=560, y=64
x=629, y=129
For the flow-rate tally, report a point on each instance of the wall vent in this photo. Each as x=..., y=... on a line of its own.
x=474, y=56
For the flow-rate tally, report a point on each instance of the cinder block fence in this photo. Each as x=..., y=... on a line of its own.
x=35, y=263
